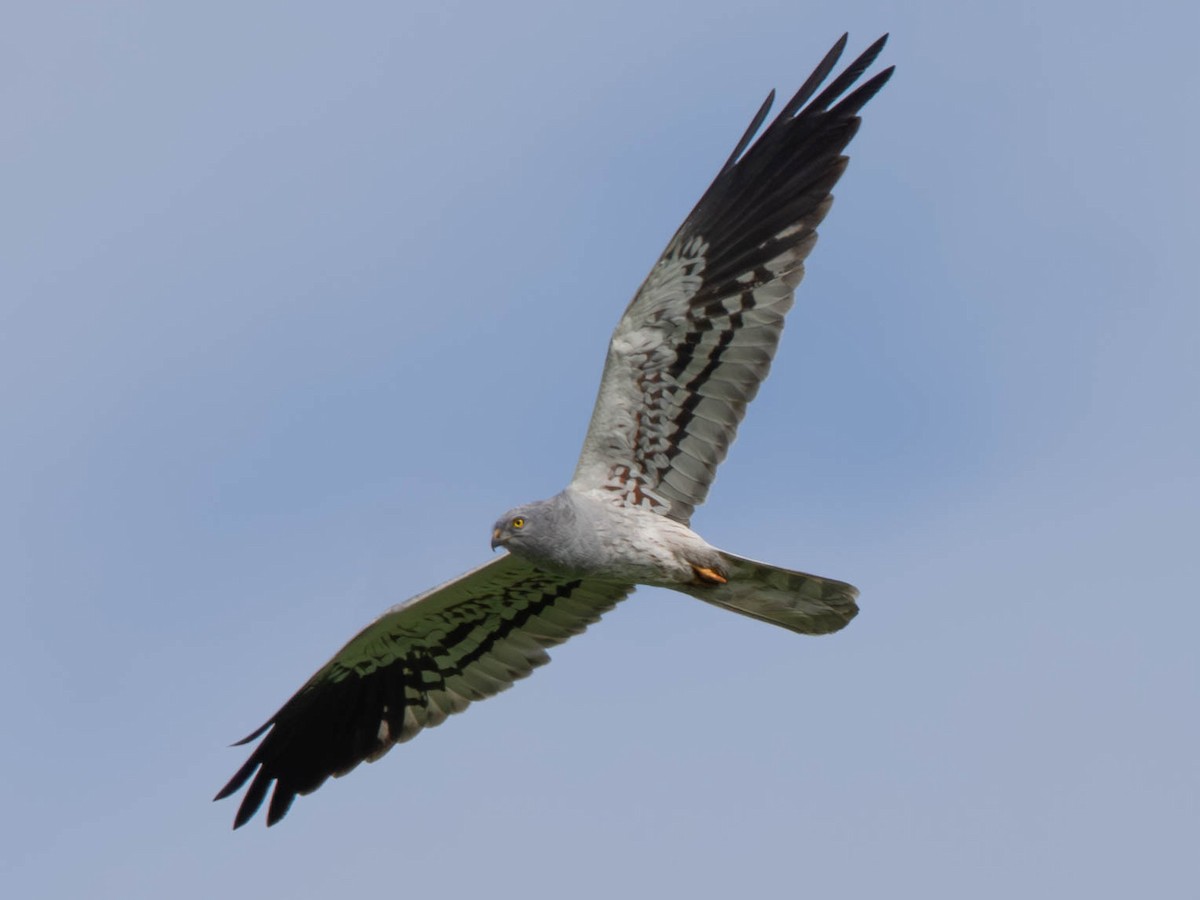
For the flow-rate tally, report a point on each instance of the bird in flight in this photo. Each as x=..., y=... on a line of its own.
x=685, y=359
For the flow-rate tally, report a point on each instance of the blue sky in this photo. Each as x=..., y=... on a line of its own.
x=295, y=299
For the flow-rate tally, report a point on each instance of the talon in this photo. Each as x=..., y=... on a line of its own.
x=709, y=576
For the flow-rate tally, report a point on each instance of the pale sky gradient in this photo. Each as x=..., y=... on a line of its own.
x=296, y=298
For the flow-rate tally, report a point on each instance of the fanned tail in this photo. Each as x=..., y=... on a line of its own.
x=807, y=604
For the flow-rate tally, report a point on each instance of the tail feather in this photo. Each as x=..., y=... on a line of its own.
x=807, y=604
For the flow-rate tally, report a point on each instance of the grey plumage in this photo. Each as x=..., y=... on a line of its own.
x=578, y=532
x=806, y=604
x=685, y=359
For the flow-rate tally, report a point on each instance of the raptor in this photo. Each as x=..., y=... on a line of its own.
x=686, y=358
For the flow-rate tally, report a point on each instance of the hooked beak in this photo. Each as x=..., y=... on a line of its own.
x=497, y=538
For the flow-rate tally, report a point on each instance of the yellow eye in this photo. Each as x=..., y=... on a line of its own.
x=518, y=522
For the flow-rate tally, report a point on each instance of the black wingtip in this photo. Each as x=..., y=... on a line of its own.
x=819, y=74
x=864, y=92
x=252, y=799
x=255, y=734
x=240, y=777
x=851, y=74
x=755, y=124
x=281, y=802
x=810, y=86
x=869, y=55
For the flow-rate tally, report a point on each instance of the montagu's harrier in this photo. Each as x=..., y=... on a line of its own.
x=686, y=357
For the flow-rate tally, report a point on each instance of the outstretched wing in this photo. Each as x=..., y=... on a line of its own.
x=411, y=668
x=699, y=336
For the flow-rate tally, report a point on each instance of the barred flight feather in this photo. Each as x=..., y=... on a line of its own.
x=699, y=336
x=415, y=665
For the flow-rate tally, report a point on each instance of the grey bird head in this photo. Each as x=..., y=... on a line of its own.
x=514, y=526
x=534, y=530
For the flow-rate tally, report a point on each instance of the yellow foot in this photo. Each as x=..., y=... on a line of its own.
x=706, y=575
